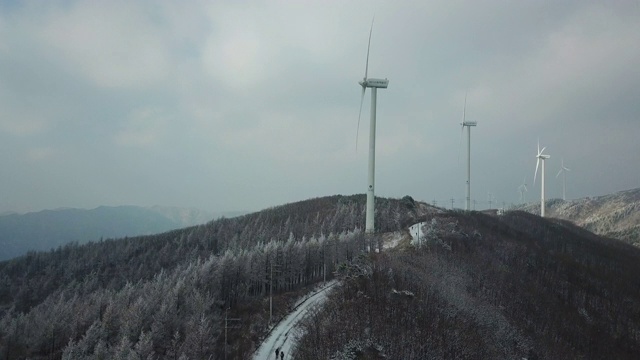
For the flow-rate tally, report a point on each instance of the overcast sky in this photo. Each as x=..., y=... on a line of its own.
x=243, y=105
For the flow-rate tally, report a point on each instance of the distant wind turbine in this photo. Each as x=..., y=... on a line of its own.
x=523, y=191
x=563, y=171
x=542, y=157
x=468, y=124
x=374, y=84
x=490, y=199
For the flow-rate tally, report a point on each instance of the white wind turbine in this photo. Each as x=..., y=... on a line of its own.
x=374, y=84
x=542, y=157
x=563, y=171
x=468, y=124
x=523, y=190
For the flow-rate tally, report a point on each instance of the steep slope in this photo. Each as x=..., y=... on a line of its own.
x=486, y=287
x=615, y=215
x=49, y=229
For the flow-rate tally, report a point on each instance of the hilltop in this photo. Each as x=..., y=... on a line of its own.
x=615, y=215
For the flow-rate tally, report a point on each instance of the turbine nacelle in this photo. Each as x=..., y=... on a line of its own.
x=469, y=123
x=542, y=157
x=374, y=83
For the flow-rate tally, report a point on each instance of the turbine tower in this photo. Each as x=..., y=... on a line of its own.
x=374, y=84
x=542, y=157
x=563, y=171
x=523, y=190
x=468, y=124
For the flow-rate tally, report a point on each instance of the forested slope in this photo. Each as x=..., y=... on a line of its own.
x=481, y=286
x=165, y=296
x=486, y=287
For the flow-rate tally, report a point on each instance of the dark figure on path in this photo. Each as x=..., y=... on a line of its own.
x=282, y=355
x=277, y=353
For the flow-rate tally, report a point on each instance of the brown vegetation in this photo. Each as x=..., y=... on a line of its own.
x=486, y=287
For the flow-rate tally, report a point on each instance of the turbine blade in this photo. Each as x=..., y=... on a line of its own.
x=541, y=151
x=559, y=172
x=464, y=112
x=366, y=68
x=536, y=173
x=567, y=169
x=464, y=109
x=359, y=114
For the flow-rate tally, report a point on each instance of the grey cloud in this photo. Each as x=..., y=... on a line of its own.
x=228, y=107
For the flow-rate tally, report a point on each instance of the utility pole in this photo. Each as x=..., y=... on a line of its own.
x=452, y=201
x=271, y=291
x=324, y=262
x=435, y=203
x=226, y=326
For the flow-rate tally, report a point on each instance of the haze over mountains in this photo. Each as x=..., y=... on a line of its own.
x=49, y=229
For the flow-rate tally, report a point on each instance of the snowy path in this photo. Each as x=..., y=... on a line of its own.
x=284, y=335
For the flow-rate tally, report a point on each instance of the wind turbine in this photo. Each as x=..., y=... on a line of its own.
x=468, y=124
x=563, y=171
x=374, y=84
x=542, y=157
x=523, y=189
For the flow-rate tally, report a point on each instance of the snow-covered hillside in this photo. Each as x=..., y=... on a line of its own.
x=615, y=215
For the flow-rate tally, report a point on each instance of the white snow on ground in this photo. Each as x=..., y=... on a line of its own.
x=393, y=240
x=285, y=334
x=416, y=233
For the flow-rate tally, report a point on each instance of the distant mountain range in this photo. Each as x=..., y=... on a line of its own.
x=615, y=215
x=47, y=229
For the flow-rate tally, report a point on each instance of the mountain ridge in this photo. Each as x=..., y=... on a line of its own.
x=479, y=285
x=47, y=229
x=614, y=215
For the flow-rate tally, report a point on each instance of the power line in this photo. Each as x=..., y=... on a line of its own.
x=226, y=326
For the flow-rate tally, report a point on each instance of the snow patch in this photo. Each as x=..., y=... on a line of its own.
x=417, y=235
x=393, y=240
